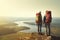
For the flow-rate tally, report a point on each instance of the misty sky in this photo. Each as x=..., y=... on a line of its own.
x=28, y=8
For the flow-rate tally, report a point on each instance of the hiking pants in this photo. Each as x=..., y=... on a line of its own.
x=39, y=27
x=47, y=25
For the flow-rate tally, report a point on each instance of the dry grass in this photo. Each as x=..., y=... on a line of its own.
x=24, y=36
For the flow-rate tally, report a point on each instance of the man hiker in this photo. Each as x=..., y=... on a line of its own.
x=47, y=21
x=39, y=21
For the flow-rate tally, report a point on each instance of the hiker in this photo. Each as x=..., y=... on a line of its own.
x=47, y=21
x=39, y=21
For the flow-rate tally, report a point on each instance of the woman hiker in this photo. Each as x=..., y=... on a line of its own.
x=39, y=21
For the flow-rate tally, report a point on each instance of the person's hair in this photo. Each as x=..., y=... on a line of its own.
x=39, y=13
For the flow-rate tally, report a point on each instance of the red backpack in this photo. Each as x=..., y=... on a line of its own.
x=48, y=17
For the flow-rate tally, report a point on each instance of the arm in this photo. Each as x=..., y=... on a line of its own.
x=44, y=19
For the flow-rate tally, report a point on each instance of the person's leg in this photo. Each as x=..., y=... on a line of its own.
x=46, y=27
x=49, y=28
x=38, y=28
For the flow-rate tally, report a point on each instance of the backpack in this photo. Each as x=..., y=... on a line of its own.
x=48, y=17
x=38, y=18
